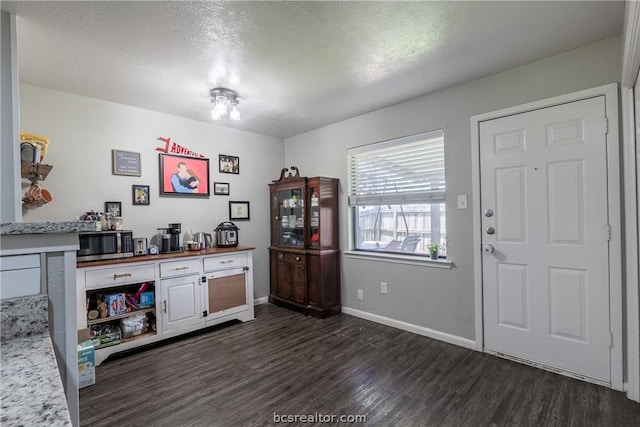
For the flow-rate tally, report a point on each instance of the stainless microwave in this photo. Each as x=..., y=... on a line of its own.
x=98, y=245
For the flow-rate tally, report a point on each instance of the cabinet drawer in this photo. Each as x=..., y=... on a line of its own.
x=223, y=262
x=19, y=283
x=179, y=268
x=19, y=262
x=118, y=275
x=290, y=258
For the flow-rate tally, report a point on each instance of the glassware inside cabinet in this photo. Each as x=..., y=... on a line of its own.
x=291, y=209
x=314, y=220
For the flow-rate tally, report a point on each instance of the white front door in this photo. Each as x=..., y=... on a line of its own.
x=545, y=216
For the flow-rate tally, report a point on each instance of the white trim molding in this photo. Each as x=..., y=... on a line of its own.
x=260, y=301
x=409, y=327
x=631, y=40
x=632, y=271
x=610, y=92
x=631, y=79
x=420, y=261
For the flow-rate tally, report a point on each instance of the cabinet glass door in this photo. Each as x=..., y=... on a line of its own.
x=314, y=218
x=292, y=220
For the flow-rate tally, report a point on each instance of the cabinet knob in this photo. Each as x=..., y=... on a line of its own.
x=280, y=256
x=297, y=258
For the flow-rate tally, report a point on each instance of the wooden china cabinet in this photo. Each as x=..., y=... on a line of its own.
x=304, y=255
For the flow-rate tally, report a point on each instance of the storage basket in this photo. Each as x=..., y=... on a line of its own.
x=40, y=141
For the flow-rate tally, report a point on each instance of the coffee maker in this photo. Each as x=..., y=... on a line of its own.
x=174, y=237
x=169, y=238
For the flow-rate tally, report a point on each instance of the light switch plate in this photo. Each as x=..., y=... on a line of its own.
x=462, y=201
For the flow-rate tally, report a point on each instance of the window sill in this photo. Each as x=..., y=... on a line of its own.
x=400, y=259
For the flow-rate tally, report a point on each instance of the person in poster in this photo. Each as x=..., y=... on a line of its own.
x=184, y=180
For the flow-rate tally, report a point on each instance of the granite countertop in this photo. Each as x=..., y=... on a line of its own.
x=45, y=227
x=32, y=391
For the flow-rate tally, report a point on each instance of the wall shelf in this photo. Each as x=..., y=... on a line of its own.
x=34, y=171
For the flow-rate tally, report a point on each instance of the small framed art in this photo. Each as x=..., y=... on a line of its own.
x=239, y=211
x=221, y=188
x=140, y=194
x=113, y=208
x=228, y=164
x=125, y=163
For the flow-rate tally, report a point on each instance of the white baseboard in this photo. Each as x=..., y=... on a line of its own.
x=420, y=330
x=260, y=301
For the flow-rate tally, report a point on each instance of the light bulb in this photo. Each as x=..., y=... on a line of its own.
x=221, y=105
x=235, y=113
x=214, y=113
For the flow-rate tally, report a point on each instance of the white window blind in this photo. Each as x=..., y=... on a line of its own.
x=400, y=171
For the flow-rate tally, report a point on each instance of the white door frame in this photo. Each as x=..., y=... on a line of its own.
x=630, y=78
x=614, y=205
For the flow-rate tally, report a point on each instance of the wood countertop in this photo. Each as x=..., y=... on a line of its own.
x=173, y=255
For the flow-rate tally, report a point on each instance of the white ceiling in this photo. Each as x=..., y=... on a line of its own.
x=296, y=65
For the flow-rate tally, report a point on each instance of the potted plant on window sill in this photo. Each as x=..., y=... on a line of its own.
x=434, y=249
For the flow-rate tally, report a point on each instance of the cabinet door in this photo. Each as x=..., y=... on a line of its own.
x=291, y=277
x=226, y=292
x=323, y=213
x=290, y=220
x=181, y=303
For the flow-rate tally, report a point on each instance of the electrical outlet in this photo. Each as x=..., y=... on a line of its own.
x=462, y=201
x=383, y=287
x=360, y=295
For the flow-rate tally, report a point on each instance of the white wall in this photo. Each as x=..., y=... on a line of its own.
x=83, y=131
x=442, y=300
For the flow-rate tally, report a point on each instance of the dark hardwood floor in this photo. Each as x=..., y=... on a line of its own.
x=288, y=364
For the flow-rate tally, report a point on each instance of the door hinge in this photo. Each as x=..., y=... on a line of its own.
x=606, y=125
x=610, y=339
x=609, y=232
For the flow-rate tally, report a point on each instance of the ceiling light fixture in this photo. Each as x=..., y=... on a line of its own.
x=224, y=100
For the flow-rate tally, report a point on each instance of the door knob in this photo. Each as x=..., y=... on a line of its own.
x=490, y=230
x=487, y=249
x=488, y=213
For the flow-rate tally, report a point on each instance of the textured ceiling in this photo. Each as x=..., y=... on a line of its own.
x=296, y=65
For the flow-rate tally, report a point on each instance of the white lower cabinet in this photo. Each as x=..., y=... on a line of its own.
x=181, y=306
x=181, y=294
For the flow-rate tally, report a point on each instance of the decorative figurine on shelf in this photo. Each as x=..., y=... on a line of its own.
x=102, y=309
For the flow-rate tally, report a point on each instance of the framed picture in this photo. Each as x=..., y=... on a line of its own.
x=140, y=194
x=238, y=211
x=183, y=176
x=221, y=188
x=113, y=208
x=228, y=164
x=125, y=163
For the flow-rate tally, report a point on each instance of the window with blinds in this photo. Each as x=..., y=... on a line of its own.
x=397, y=192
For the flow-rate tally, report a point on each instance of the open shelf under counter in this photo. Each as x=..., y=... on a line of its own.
x=119, y=316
